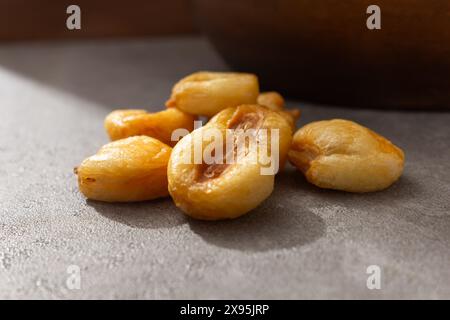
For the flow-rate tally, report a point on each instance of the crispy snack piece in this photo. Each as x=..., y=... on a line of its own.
x=207, y=93
x=275, y=102
x=122, y=124
x=272, y=100
x=222, y=189
x=343, y=155
x=132, y=169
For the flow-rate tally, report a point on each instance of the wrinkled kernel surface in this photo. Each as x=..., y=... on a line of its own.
x=207, y=93
x=132, y=169
x=224, y=191
x=343, y=155
x=122, y=124
x=272, y=100
x=275, y=102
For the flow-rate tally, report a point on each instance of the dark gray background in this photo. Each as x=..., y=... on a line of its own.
x=303, y=242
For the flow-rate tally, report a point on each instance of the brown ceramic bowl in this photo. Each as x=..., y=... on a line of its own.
x=322, y=50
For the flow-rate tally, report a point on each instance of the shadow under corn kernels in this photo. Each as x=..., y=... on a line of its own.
x=154, y=214
x=269, y=227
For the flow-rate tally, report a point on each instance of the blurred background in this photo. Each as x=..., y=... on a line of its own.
x=319, y=51
x=45, y=19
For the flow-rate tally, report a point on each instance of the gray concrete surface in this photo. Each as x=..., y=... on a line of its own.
x=301, y=243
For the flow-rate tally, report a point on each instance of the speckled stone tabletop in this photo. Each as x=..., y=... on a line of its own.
x=302, y=242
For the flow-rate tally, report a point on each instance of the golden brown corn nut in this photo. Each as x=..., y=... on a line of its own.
x=131, y=169
x=272, y=100
x=343, y=155
x=122, y=124
x=275, y=102
x=207, y=93
x=224, y=191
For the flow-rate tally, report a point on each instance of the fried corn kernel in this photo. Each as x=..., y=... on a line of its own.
x=275, y=102
x=291, y=116
x=343, y=155
x=272, y=100
x=131, y=169
x=207, y=93
x=223, y=189
x=122, y=124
